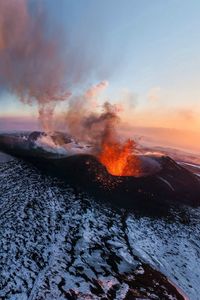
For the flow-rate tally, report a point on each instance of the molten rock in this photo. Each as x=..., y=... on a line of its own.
x=161, y=180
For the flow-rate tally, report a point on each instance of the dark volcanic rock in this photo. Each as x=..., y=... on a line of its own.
x=171, y=184
x=168, y=184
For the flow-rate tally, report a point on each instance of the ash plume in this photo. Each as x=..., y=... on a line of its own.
x=117, y=155
x=80, y=109
x=32, y=61
x=95, y=90
x=102, y=127
x=94, y=123
x=89, y=121
x=38, y=66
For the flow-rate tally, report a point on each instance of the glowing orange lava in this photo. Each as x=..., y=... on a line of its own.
x=119, y=159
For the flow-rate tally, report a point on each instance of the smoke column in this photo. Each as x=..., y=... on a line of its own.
x=32, y=64
x=91, y=121
x=36, y=65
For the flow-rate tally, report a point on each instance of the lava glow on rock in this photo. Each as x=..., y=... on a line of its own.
x=119, y=159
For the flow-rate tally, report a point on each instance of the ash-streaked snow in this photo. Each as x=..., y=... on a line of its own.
x=48, y=144
x=56, y=243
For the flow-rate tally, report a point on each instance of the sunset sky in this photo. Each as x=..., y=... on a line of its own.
x=148, y=51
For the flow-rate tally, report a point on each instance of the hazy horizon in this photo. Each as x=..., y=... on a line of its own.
x=152, y=136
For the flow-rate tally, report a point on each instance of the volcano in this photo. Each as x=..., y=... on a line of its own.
x=162, y=180
x=58, y=242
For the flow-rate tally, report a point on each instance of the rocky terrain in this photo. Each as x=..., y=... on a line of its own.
x=160, y=181
x=58, y=243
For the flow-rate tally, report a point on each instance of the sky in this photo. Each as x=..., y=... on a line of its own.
x=148, y=51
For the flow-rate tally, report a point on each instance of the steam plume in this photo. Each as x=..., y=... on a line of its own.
x=88, y=124
x=95, y=90
x=33, y=67
x=31, y=58
x=82, y=108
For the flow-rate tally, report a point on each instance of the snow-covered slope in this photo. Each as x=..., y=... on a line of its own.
x=56, y=243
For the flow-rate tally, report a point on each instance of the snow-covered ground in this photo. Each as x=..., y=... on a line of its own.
x=56, y=243
x=172, y=246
